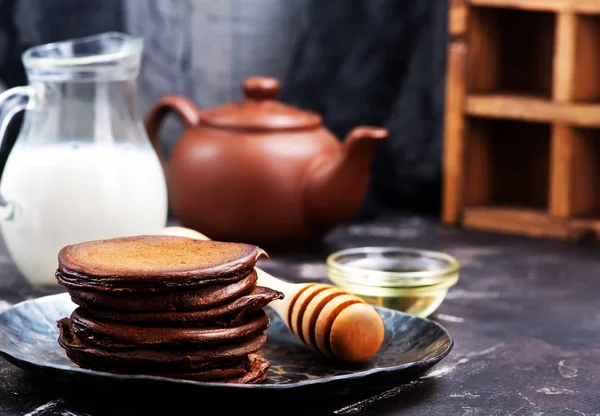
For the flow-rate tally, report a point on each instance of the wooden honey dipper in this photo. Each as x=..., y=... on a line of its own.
x=324, y=317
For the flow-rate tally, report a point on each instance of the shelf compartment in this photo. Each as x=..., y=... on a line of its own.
x=510, y=51
x=532, y=109
x=575, y=175
x=586, y=65
x=507, y=163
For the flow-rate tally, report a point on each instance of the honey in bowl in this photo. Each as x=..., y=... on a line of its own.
x=409, y=280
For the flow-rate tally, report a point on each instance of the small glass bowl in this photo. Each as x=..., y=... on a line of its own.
x=408, y=280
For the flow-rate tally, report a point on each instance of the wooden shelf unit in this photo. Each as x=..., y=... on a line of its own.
x=522, y=122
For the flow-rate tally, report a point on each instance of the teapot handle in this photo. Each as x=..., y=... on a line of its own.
x=184, y=108
x=12, y=101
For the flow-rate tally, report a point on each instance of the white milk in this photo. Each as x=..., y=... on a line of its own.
x=70, y=193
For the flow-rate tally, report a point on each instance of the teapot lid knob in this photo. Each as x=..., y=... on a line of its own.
x=260, y=88
x=260, y=110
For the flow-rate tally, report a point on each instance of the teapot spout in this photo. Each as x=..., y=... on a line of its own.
x=336, y=188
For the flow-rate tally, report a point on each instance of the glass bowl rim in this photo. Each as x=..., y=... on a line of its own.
x=395, y=279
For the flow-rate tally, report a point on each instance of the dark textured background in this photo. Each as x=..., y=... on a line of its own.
x=356, y=62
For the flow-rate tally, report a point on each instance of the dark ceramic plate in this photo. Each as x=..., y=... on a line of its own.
x=412, y=345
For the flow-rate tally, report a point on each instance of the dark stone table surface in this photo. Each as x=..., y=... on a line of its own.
x=525, y=318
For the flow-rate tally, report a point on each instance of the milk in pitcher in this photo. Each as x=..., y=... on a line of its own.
x=75, y=191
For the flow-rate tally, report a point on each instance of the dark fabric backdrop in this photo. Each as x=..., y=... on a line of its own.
x=378, y=62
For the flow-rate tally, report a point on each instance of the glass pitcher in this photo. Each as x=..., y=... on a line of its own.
x=82, y=167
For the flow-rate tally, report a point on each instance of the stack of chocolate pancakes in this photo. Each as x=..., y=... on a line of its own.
x=168, y=306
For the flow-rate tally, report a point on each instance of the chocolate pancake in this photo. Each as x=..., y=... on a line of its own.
x=233, y=370
x=117, y=335
x=154, y=361
x=218, y=372
x=231, y=313
x=253, y=370
x=153, y=263
x=184, y=300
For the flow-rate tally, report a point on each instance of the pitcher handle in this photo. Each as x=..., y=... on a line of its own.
x=12, y=101
x=184, y=108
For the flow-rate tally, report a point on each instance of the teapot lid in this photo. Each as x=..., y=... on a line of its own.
x=260, y=110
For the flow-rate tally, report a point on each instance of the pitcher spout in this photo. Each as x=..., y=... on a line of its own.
x=109, y=56
x=336, y=188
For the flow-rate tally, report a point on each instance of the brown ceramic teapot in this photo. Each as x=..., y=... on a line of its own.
x=261, y=171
